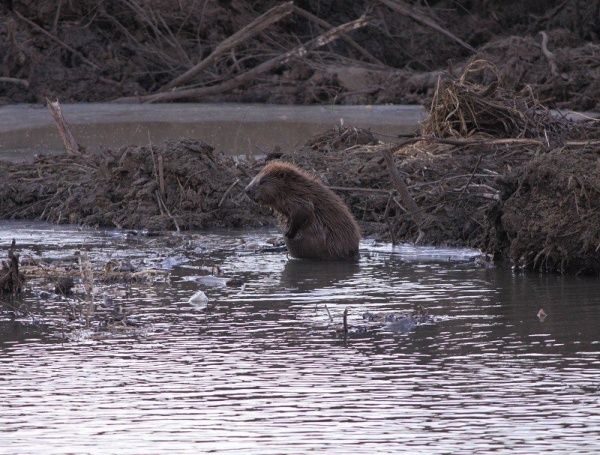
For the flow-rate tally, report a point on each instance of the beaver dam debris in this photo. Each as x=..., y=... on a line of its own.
x=73, y=293
x=491, y=169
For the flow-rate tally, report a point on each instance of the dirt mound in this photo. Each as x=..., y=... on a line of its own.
x=179, y=185
x=545, y=180
x=549, y=214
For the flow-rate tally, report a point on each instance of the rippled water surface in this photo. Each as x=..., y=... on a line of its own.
x=262, y=368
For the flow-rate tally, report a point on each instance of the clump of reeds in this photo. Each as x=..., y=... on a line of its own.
x=461, y=108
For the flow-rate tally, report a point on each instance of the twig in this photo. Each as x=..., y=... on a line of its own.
x=386, y=216
x=161, y=205
x=57, y=40
x=85, y=268
x=227, y=192
x=56, y=17
x=161, y=175
x=415, y=212
x=360, y=190
x=472, y=174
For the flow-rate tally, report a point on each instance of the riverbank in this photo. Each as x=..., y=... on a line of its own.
x=492, y=169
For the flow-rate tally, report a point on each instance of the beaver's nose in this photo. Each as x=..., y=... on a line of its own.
x=251, y=190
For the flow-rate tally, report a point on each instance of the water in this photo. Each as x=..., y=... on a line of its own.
x=234, y=129
x=261, y=369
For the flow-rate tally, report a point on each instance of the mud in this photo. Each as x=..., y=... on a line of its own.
x=180, y=185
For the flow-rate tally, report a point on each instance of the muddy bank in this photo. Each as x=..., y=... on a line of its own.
x=520, y=184
x=492, y=169
x=179, y=185
x=305, y=53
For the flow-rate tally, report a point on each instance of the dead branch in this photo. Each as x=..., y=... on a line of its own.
x=269, y=65
x=63, y=127
x=256, y=26
x=141, y=12
x=549, y=55
x=415, y=213
x=13, y=80
x=327, y=26
x=409, y=11
x=57, y=40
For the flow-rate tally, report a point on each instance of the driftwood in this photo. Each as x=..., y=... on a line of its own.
x=409, y=11
x=271, y=64
x=63, y=127
x=253, y=28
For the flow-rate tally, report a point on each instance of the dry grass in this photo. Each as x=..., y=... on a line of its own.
x=463, y=109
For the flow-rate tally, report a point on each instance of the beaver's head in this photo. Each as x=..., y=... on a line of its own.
x=273, y=183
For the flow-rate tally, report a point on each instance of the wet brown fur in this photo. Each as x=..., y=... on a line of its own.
x=316, y=222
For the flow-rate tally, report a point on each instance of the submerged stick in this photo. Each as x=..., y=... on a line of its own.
x=63, y=127
x=10, y=279
x=345, y=321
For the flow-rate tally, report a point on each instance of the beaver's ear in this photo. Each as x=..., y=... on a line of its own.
x=280, y=175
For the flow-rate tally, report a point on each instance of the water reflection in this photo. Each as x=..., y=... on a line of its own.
x=234, y=129
x=306, y=275
x=261, y=370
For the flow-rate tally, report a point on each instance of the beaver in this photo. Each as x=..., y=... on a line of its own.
x=315, y=221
